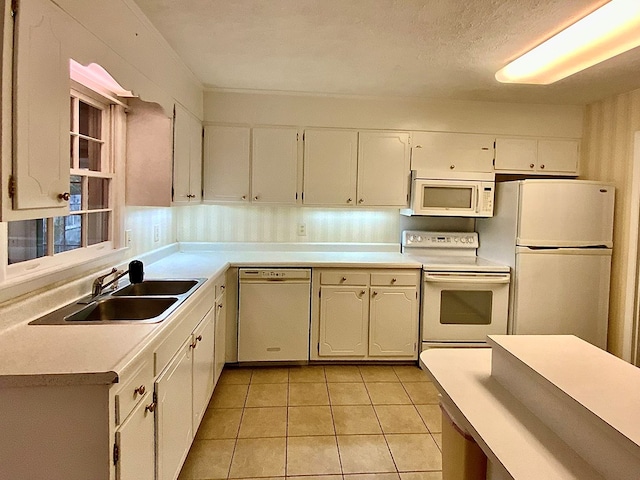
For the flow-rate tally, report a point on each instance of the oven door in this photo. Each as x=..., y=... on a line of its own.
x=464, y=307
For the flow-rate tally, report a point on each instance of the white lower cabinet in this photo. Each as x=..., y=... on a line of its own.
x=135, y=445
x=174, y=427
x=393, y=330
x=203, y=366
x=365, y=314
x=344, y=319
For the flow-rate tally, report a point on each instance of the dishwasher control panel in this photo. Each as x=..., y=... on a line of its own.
x=275, y=274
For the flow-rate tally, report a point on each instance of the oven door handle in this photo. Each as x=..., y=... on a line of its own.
x=468, y=279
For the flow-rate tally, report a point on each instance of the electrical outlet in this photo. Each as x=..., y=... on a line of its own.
x=156, y=233
x=127, y=238
x=302, y=230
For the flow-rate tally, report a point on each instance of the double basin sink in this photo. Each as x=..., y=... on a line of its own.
x=150, y=301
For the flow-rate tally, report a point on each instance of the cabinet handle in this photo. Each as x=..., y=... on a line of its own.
x=349, y=200
x=361, y=200
x=222, y=287
x=418, y=146
x=531, y=165
x=374, y=293
x=343, y=279
x=64, y=196
x=362, y=292
x=244, y=197
x=220, y=306
x=542, y=167
x=151, y=407
x=394, y=280
x=256, y=197
x=140, y=390
x=452, y=167
x=199, y=338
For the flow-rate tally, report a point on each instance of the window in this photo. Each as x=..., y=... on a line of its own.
x=91, y=202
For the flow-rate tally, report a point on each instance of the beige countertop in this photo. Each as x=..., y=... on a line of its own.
x=66, y=354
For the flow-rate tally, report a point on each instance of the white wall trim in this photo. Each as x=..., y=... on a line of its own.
x=630, y=340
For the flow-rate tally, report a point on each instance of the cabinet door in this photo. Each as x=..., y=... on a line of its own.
x=187, y=157
x=383, y=169
x=516, y=154
x=330, y=167
x=226, y=164
x=558, y=156
x=393, y=328
x=445, y=152
x=274, y=166
x=220, y=335
x=203, y=366
x=136, y=442
x=344, y=321
x=41, y=114
x=174, y=417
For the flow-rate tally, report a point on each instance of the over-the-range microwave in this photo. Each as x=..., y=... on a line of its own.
x=463, y=195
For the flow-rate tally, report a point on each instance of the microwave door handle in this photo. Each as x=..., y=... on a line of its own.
x=468, y=279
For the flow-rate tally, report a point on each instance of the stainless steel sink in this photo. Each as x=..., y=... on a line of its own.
x=157, y=287
x=151, y=301
x=123, y=309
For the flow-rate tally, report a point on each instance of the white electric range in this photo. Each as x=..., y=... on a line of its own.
x=464, y=297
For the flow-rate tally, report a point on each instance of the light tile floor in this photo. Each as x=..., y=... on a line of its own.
x=338, y=422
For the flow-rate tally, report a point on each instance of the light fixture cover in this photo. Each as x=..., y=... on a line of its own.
x=606, y=32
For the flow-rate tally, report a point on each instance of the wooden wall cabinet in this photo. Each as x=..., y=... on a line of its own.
x=437, y=153
x=187, y=158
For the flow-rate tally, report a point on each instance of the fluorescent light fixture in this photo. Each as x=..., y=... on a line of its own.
x=606, y=32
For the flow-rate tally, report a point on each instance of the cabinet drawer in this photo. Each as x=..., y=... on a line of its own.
x=344, y=278
x=133, y=389
x=393, y=279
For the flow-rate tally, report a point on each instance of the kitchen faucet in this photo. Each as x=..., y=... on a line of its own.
x=98, y=285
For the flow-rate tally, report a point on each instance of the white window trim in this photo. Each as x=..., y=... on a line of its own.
x=49, y=269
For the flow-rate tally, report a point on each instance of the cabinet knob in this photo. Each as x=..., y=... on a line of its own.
x=542, y=167
x=531, y=165
x=362, y=292
x=349, y=200
x=151, y=407
x=140, y=390
x=199, y=338
x=222, y=288
x=394, y=280
x=244, y=197
x=452, y=167
x=64, y=196
x=418, y=146
x=374, y=293
x=361, y=200
x=220, y=306
x=256, y=197
x=343, y=279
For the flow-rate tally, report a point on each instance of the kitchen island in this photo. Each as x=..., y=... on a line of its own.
x=552, y=407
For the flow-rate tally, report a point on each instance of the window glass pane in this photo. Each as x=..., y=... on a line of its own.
x=27, y=240
x=71, y=148
x=90, y=155
x=90, y=120
x=75, y=202
x=98, y=193
x=97, y=227
x=465, y=307
x=67, y=233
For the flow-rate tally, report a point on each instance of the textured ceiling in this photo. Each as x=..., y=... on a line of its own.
x=422, y=48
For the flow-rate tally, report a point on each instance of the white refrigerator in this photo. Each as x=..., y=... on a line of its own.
x=557, y=236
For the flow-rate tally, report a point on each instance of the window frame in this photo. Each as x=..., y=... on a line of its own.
x=113, y=123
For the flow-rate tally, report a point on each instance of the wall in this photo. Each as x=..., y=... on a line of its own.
x=607, y=155
x=393, y=113
x=141, y=222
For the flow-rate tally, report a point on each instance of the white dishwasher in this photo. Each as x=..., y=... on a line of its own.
x=273, y=314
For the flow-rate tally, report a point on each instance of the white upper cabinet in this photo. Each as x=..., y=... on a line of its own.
x=226, y=164
x=383, y=169
x=330, y=167
x=257, y=165
x=537, y=156
x=274, y=166
x=41, y=110
x=187, y=157
x=442, y=152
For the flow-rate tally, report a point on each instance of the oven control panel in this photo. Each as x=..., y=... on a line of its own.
x=415, y=238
